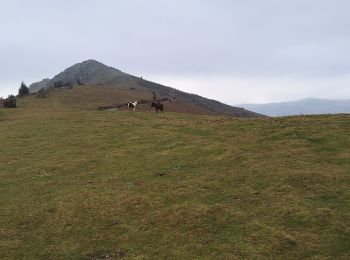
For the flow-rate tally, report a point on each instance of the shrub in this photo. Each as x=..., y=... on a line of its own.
x=60, y=84
x=10, y=102
x=23, y=90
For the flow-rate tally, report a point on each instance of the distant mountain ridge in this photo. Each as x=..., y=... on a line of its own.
x=308, y=106
x=94, y=73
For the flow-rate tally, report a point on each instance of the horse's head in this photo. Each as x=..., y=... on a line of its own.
x=153, y=104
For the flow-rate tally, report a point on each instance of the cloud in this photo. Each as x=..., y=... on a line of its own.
x=254, y=40
x=239, y=90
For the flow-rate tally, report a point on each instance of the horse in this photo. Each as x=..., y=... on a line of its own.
x=133, y=105
x=158, y=106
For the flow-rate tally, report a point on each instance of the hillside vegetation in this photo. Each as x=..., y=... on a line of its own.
x=76, y=183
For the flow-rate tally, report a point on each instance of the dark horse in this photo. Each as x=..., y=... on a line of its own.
x=158, y=106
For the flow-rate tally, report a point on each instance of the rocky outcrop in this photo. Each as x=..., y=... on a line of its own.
x=36, y=87
x=90, y=72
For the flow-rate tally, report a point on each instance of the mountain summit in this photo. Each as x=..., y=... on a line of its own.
x=107, y=84
x=90, y=72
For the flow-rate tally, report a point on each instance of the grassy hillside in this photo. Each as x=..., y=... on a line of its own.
x=89, y=97
x=76, y=183
x=97, y=76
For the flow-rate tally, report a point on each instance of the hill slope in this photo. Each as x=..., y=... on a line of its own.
x=307, y=106
x=87, y=184
x=94, y=73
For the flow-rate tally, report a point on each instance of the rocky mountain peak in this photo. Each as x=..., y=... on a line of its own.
x=89, y=72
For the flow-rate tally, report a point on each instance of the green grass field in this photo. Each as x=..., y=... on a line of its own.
x=83, y=184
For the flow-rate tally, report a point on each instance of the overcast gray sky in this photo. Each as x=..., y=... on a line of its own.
x=234, y=51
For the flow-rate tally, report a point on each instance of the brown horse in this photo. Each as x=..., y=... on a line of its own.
x=158, y=106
